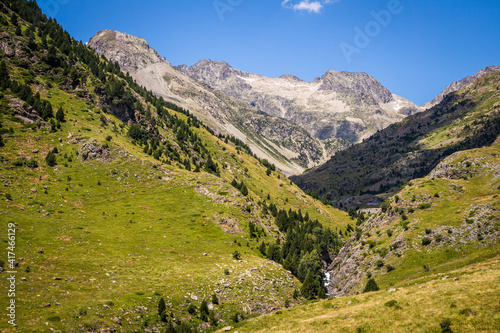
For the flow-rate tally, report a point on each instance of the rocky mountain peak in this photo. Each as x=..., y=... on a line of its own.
x=291, y=78
x=210, y=71
x=132, y=53
x=358, y=85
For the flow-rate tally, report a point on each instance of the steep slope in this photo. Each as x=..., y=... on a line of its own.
x=465, y=119
x=457, y=85
x=339, y=105
x=447, y=220
x=286, y=145
x=119, y=199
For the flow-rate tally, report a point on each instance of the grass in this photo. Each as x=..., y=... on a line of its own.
x=130, y=230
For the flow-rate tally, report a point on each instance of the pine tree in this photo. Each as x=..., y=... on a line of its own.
x=244, y=190
x=204, y=312
x=309, y=287
x=60, y=114
x=51, y=158
x=371, y=285
x=215, y=300
x=162, y=307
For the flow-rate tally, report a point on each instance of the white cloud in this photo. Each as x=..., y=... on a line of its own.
x=307, y=5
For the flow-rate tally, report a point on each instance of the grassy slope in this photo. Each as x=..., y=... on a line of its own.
x=139, y=235
x=468, y=206
x=468, y=297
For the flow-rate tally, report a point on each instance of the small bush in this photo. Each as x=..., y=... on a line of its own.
x=236, y=255
x=215, y=300
x=445, y=326
x=392, y=304
x=226, y=271
x=438, y=238
x=54, y=319
x=192, y=309
x=428, y=231
x=426, y=241
x=389, y=232
x=390, y=268
x=424, y=206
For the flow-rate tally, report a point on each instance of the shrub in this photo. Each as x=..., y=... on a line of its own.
x=438, y=238
x=436, y=195
x=392, y=304
x=390, y=268
x=385, y=205
x=371, y=285
x=192, y=309
x=389, y=232
x=379, y=263
x=226, y=271
x=426, y=241
x=8, y=196
x=424, y=206
x=215, y=300
x=428, y=231
x=109, y=137
x=445, y=326
x=236, y=255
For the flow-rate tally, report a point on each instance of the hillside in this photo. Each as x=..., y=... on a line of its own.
x=379, y=166
x=120, y=199
x=433, y=252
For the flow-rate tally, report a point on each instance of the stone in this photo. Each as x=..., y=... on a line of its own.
x=227, y=329
x=392, y=290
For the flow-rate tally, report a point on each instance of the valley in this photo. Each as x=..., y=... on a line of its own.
x=151, y=198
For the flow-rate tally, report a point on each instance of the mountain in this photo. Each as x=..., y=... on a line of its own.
x=339, y=105
x=284, y=144
x=457, y=85
x=361, y=175
x=126, y=213
x=292, y=123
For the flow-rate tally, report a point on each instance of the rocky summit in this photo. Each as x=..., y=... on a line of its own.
x=338, y=105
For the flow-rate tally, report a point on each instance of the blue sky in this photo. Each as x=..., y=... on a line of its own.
x=413, y=47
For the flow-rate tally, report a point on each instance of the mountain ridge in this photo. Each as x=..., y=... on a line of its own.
x=457, y=85
x=336, y=105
